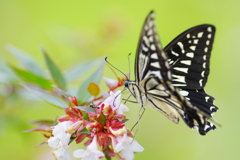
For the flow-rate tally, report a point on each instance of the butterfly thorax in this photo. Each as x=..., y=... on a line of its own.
x=137, y=92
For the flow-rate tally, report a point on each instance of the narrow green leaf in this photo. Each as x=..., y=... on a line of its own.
x=81, y=69
x=46, y=96
x=6, y=73
x=26, y=60
x=95, y=77
x=61, y=92
x=27, y=76
x=55, y=72
x=85, y=108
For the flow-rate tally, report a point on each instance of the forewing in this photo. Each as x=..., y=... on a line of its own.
x=189, y=55
x=150, y=58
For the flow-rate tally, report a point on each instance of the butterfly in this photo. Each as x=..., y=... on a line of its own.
x=172, y=80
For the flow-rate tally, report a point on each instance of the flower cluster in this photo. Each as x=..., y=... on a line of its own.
x=102, y=128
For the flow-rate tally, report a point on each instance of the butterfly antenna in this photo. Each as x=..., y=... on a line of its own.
x=129, y=67
x=115, y=67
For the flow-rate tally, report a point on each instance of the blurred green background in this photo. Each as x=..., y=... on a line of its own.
x=76, y=31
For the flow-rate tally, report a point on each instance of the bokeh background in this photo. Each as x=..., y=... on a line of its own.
x=76, y=31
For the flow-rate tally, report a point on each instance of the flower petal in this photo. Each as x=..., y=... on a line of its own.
x=127, y=154
x=136, y=147
x=79, y=153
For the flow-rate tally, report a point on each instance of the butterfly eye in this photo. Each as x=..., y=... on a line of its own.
x=126, y=84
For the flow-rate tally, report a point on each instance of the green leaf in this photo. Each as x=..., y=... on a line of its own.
x=27, y=76
x=85, y=108
x=46, y=96
x=55, y=72
x=95, y=77
x=81, y=69
x=6, y=73
x=61, y=92
x=26, y=60
x=102, y=119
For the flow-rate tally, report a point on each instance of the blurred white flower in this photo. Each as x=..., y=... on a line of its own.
x=60, y=152
x=59, y=141
x=92, y=152
x=127, y=145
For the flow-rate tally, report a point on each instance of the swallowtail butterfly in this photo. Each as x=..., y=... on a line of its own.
x=172, y=79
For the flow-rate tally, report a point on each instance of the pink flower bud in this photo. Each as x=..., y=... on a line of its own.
x=72, y=128
x=118, y=132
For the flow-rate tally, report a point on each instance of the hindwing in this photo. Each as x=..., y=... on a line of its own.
x=189, y=59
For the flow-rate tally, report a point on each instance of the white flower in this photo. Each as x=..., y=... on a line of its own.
x=60, y=152
x=92, y=153
x=59, y=141
x=115, y=101
x=110, y=82
x=127, y=145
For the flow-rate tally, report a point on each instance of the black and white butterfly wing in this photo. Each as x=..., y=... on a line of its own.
x=189, y=55
x=150, y=58
x=153, y=84
x=189, y=58
x=152, y=73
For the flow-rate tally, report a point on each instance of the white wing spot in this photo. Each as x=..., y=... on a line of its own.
x=169, y=75
x=202, y=74
x=200, y=34
x=184, y=93
x=151, y=23
x=190, y=54
x=174, y=53
x=150, y=32
x=204, y=57
x=195, y=41
x=190, y=41
x=204, y=65
x=207, y=98
x=145, y=49
x=179, y=85
x=187, y=62
x=151, y=38
x=188, y=35
x=193, y=36
x=192, y=48
x=209, y=36
x=212, y=107
x=200, y=82
x=170, y=62
x=185, y=70
x=206, y=49
x=154, y=56
x=146, y=27
x=209, y=29
x=155, y=64
x=207, y=42
x=179, y=78
x=181, y=46
x=153, y=48
x=145, y=39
